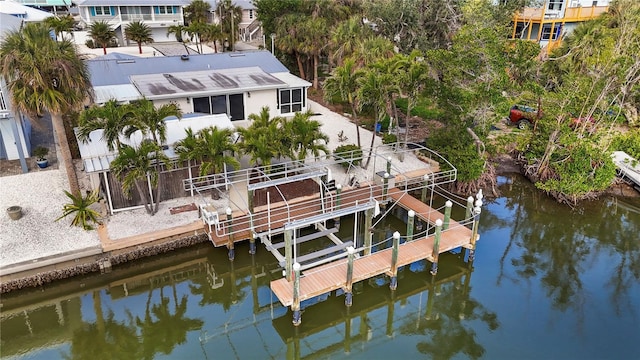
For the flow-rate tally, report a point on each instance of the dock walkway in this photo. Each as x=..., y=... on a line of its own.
x=333, y=276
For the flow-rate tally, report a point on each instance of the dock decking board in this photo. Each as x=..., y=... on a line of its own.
x=332, y=276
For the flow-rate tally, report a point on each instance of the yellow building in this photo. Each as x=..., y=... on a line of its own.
x=550, y=23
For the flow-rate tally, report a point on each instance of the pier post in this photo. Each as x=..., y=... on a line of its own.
x=436, y=247
x=389, y=165
x=447, y=214
x=288, y=253
x=385, y=187
x=368, y=234
x=394, y=261
x=469, y=211
x=474, y=230
x=252, y=244
x=410, y=221
x=425, y=188
x=338, y=199
x=348, y=298
x=230, y=247
x=295, y=307
x=250, y=194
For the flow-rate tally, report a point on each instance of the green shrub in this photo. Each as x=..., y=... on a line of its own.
x=347, y=155
x=90, y=44
x=629, y=143
x=389, y=138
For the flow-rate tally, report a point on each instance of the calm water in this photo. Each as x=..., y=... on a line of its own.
x=547, y=282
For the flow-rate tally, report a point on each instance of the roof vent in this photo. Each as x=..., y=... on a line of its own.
x=184, y=57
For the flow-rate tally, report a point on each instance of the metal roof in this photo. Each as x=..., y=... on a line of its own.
x=126, y=92
x=132, y=2
x=292, y=80
x=117, y=71
x=210, y=82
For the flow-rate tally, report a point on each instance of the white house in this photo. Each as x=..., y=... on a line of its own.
x=159, y=15
x=211, y=90
x=23, y=12
x=232, y=83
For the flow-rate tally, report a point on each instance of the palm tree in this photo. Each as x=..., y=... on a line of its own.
x=212, y=33
x=60, y=24
x=230, y=16
x=102, y=34
x=177, y=30
x=372, y=92
x=344, y=83
x=305, y=135
x=139, y=32
x=263, y=140
x=195, y=30
x=45, y=75
x=197, y=11
x=136, y=165
x=216, y=147
x=112, y=117
x=80, y=206
x=345, y=38
x=414, y=79
x=315, y=30
x=151, y=121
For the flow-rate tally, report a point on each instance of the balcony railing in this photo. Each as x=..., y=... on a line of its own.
x=150, y=17
x=571, y=14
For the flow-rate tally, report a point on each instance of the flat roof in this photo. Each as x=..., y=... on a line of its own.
x=132, y=2
x=117, y=69
x=210, y=82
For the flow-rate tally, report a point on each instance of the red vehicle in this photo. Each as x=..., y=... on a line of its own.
x=523, y=116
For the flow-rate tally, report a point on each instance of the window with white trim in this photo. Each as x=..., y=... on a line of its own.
x=102, y=10
x=164, y=10
x=547, y=33
x=291, y=100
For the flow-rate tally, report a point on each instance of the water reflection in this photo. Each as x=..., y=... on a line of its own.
x=538, y=264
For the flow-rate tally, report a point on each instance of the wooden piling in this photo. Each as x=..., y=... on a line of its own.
x=368, y=234
x=297, y=318
x=348, y=300
x=394, y=261
x=469, y=210
x=436, y=247
x=288, y=253
x=410, y=222
x=385, y=187
x=230, y=245
x=447, y=214
x=425, y=188
x=252, y=245
x=389, y=165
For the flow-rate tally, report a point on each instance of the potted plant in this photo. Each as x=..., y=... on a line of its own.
x=40, y=153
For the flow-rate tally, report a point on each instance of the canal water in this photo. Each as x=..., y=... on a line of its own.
x=547, y=282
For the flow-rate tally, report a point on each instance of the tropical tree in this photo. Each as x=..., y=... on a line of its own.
x=177, y=31
x=60, y=24
x=45, y=75
x=343, y=83
x=263, y=140
x=306, y=136
x=212, y=33
x=151, y=120
x=102, y=34
x=230, y=16
x=196, y=30
x=197, y=11
x=212, y=146
x=139, y=32
x=344, y=38
x=137, y=165
x=80, y=207
x=112, y=118
x=372, y=91
x=414, y=79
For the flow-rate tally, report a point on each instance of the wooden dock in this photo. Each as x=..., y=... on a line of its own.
x=332, y=276
x=276, y=216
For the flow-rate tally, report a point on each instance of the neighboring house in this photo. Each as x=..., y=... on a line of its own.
x=236, y=84
x=22, y=12
x=250, y=28
x=15, y=130
x=548, y=24
x=159, y=15
x=212, y=90
x=48, y=5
